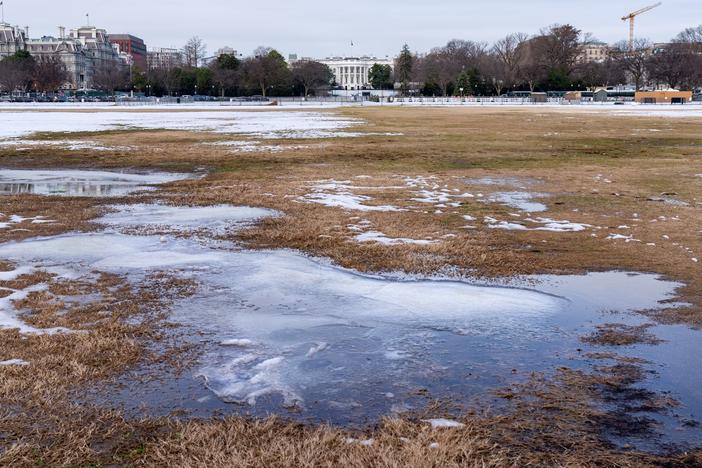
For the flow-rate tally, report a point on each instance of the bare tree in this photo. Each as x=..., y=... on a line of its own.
x=443, y=65
x=531, y=71
x=311, y=75
x=11, y=76
x=266, y=69
x=110, y=77
x=669, y=65
x=690, y=41
x=558, y=47
x=16, y=72
x=49, y=74
x=226, y=71
x=194, y=51
x=509, y=54
x=634, y=60
x=691, y=37
x=596, y=74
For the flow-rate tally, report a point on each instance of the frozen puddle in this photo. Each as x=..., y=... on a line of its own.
x=217, y=218
x=78, y=183
x=520, y=200
x=277, y=329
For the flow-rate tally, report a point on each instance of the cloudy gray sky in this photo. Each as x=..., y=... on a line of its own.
x=320, y=28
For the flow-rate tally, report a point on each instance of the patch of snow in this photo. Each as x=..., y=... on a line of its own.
x=443, y=423
x=338, y=194
x=15, y=219
x=547, y=224
x=626, y=239
x=14, y=362
x=380, y=238
x=247, y=146
x=72, y=145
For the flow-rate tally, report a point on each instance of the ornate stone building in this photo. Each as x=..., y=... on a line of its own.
x=83, y=51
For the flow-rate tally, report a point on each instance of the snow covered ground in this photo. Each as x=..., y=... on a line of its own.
x=264, y=124
x=73, y=145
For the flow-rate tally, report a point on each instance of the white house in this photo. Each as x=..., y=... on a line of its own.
x=352, y=72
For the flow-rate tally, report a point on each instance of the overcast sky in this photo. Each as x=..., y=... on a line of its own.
x=318, y=28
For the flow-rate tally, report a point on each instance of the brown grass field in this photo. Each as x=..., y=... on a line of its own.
x=602, y=170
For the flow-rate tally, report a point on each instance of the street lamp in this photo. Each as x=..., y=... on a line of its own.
x=461, y=90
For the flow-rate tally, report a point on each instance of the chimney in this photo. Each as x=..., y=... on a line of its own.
x=62, y=32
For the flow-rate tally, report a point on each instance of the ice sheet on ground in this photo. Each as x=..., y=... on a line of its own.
x=268, y=124
x=72, y=145
x=213, y=218
x=318, y=329
x=286, y=303
x=79, y=183
x=520, y=200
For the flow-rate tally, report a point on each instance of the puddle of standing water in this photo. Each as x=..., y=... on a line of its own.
x=77, y=183
x=278, y=330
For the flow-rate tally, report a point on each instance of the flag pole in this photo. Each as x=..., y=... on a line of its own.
x=2, y=5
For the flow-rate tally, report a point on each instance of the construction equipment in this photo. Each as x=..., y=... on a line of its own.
x=631, y=17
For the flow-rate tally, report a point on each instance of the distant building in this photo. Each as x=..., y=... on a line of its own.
x=351, y=73
x=132, y=46
x=83, y=51
x=164, y=58
x=593, y=52
x=663, y=97
x=223, y=51
x=12, y=39
x=226, y=51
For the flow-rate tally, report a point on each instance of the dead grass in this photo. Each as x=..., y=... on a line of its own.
x=617, y=334
x=596, y=169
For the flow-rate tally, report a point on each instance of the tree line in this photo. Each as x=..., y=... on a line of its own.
x=547, y=61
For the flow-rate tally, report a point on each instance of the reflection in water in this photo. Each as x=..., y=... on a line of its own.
x=77, y=183
x=73, y=189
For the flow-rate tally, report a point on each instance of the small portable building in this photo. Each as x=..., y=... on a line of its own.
x=663, y=97
x=573, y=96
x=539, y=97
x=601, y=95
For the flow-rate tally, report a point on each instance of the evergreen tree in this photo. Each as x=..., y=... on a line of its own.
x=404, y=69
x=380, y=76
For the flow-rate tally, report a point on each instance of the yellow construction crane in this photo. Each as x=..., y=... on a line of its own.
x=632, y=16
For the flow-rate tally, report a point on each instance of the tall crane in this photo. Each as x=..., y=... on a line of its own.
x=632, y=16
